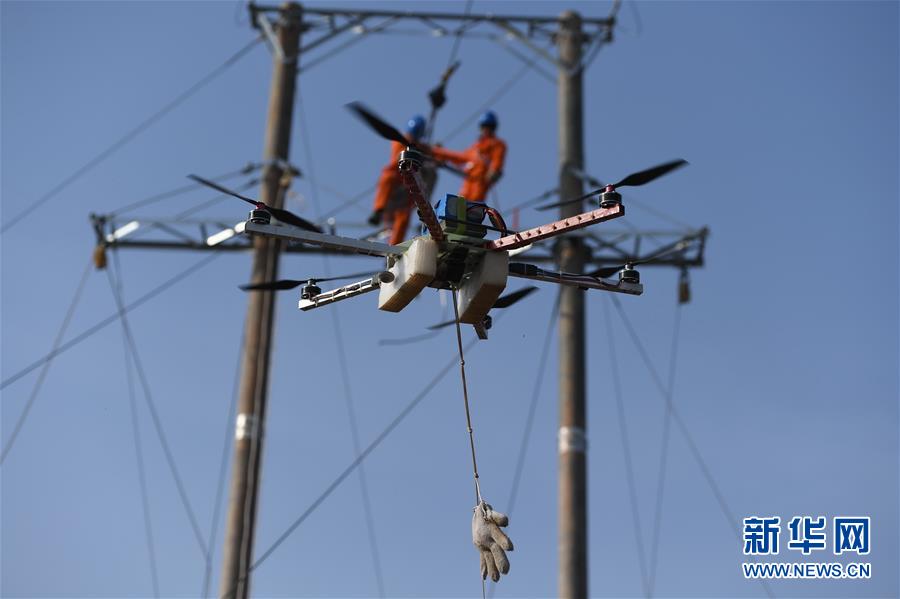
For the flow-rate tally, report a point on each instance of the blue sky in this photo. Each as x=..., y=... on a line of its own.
x=787, y=361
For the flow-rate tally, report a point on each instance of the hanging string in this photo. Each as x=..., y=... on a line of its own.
x=462, y=371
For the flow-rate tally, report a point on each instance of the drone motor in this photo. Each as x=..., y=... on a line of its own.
x=260, y=217
x=629, y=274
x=610, y=198
x=310, y=290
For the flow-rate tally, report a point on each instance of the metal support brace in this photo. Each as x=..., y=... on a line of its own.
x=341, y=293
x=269, y=32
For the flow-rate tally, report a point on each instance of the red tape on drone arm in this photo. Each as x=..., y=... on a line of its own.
x=579, y=221
x=413, y=185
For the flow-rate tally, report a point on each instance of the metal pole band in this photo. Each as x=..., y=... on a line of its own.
x=572, y=438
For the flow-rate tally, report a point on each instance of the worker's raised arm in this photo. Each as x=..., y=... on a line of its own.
x=442, y=153
x=497, y=159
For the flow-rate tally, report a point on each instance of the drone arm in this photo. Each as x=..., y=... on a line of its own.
x=579, y=221
x=414, y=186
x=334, y=242
x=528, y=271
x=341, y=293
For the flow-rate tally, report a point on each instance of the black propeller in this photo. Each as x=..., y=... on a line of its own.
x=608, y=271
x=379, y=125
x=632, y=180
x=279, y=213
x=284, y=284
x=389, y=132
x=502, y=302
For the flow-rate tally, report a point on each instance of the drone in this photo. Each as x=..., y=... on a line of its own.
x=453, y=251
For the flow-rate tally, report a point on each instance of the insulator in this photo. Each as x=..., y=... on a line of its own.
x=260, y=217
x=100, y=256
x=684, y=288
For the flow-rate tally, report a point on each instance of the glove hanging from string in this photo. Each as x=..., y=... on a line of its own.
x=490, y=540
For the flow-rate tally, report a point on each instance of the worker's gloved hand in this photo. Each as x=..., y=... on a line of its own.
x=491, y=541
x=375, y=218
x=437, y=96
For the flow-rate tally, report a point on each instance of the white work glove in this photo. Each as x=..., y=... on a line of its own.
x=490, y=540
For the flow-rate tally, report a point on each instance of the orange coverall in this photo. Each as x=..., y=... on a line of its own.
x=388, y=185
x=482, y=163
x=392, y=198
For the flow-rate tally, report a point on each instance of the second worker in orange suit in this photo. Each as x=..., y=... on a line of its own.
x=482, y=162
x=391, y=202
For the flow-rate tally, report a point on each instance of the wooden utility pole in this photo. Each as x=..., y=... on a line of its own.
x=572, y=255
x=250, y=428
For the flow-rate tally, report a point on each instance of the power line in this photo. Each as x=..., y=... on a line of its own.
x=359, y=459
x=109, y=319
x=529, y=419
x=76, y=297
x=532, y=408
x=246, y=170
x=456, y=42
x=352, y=41
x=664, y=451
x=504, y=88
x=626, y=451
x=154, y=415
x=692, y=445
x=223, y=467
x=138, y=449
x=130, y=135
x=345, y=371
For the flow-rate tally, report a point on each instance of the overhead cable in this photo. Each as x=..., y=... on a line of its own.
x=529, y=420
x=130, y=135
x=340, y=48
x=358, y=460
x=246, y=170
x=223, y=465
x=138, y=447
x=664, y=452
x=692, y=445
x=504, y=88
x=76, y=297
x=109, y=319
x=626, y=451
x=154, y=416
x=345, y=371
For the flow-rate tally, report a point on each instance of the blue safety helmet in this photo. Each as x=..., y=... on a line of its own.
x=416, y=126
x=488, y=119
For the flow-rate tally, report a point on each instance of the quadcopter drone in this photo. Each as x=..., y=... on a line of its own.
x=453, y=252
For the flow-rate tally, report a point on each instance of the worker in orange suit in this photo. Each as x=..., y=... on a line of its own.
x=392, y=204
x=482, y=162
